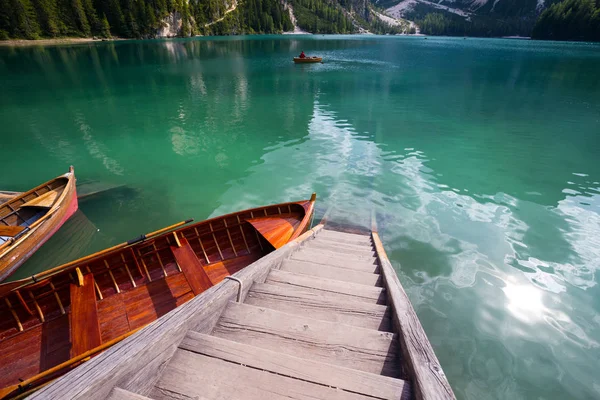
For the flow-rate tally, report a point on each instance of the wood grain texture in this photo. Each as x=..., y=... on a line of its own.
x=85, y=328
x=343, y=345
x=334, y=261
x=189, y=375
x=353, y=257
x=332, y=241
x=325, y=307
x=344, y=249
x=377, y=386
x=45, y=201
x=122, y=394
x=329, y=272
x=353, y=291
x=349, y=238
x=427, y=376
x=135, y=363
x=276, y=230
x=191, y=267
x=11, y=230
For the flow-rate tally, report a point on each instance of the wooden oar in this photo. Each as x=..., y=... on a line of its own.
x=23, y=385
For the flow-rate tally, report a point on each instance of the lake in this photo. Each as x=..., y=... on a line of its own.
x=480, y=158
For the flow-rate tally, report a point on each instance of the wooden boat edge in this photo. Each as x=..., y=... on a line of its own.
x=69, y=191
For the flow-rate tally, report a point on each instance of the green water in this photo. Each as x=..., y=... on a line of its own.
x=480, y=158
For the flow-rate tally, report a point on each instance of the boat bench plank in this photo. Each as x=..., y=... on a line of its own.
x=312, y=304
x=190, y=375
x=191, y=267
x=122, y=394
x=85, y=327
x=276, y=230
x=335, y=273
x=333, y=343
x=11, y=230
x=46, y=200
x=369, y=294
x=365, y=383
x=364, y=266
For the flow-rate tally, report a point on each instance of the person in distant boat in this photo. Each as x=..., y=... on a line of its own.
x=302, y=55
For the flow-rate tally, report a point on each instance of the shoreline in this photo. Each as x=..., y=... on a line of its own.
x=50, y=42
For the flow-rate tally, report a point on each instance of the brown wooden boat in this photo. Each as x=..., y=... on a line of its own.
x=56, y=319
x=308, y=60
x=29, y=219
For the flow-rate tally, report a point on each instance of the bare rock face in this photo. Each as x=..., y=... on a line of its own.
x=171, y=26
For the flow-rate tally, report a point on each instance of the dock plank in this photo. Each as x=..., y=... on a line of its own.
x=355, y=291
x=336, y=273
x=377, y=386
x=343, y=237
x=325, y=307
x=333, y=343
x=122, y=394
x=341, y=248
x=370, y=266
x=319, y=252
x=192, y=375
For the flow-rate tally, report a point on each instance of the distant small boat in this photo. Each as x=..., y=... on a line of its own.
x=29, y=219
x=308, y=60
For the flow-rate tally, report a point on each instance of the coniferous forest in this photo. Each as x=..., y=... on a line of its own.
x=569, y=20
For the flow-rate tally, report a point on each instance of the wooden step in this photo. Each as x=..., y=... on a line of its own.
x=191, y=375
x=122, y=394
x=343, y=237
x=336, y=273
x=325, y=307
x=336, y=261
x=364, y=383
x=332, y=241
x=316, y=252
x=340, y=248
x=354, y=291
x=332, y=343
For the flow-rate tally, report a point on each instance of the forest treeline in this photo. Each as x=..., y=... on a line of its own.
x=569, y=20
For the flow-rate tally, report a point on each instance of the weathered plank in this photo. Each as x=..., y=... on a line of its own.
x=355, y=291
x=191, y=267
x=330, y=259
x=343, y=345
x=369, y=258
x=341, y=248
x=315, y=304
x=377, y=386
x=189, y=375
x=85, y=328
x=337, y=242
x=122, y=394
x=135, y=363
x=427, y=375
x=343, y=237
x=336, y=273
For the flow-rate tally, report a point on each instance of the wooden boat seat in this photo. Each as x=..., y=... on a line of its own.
x=85, y=328
x=276, y=230
x=191, y=267
x=44, y=201
x=11, y=230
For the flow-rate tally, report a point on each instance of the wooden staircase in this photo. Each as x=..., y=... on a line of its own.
x=317, y=328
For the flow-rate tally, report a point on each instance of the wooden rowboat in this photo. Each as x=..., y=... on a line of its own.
x=29, y=219
x=52, y=321
x=308, y=60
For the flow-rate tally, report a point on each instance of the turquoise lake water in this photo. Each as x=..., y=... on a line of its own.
x=480, y=157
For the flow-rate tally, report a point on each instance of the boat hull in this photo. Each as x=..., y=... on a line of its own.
x=117, y=291
x=308, y=60
x=15, y=254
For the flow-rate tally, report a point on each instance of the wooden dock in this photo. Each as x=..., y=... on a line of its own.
x=323, y=317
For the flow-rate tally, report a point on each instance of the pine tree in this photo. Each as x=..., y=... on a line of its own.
x=104, y=28
x=81, y=21
x=24, y=20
